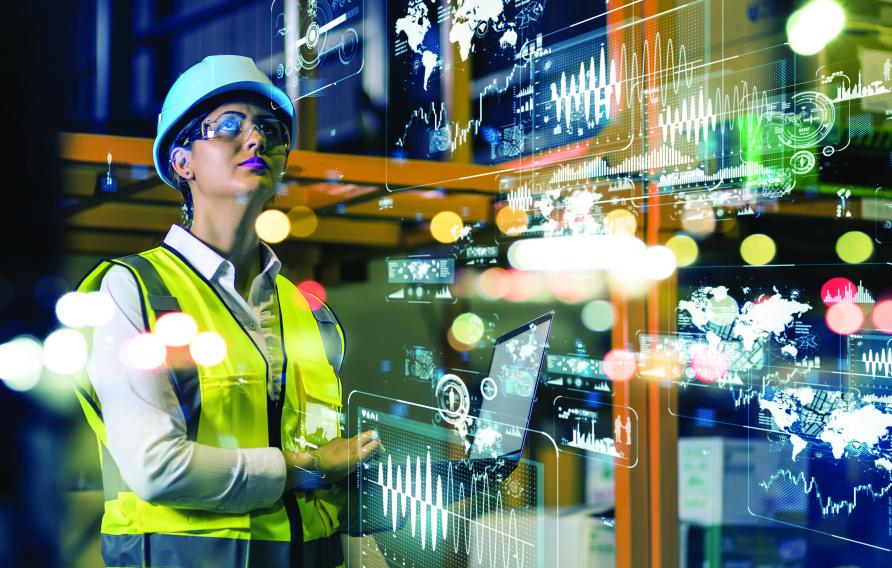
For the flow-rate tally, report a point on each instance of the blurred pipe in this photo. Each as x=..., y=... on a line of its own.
x=103, y=61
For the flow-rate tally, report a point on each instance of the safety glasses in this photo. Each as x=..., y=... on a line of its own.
x=234, y=125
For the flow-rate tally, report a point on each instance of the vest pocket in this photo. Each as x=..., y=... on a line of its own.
x=233, y=411
x=321, y=398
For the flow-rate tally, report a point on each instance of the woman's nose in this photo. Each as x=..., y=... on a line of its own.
x=255, y=138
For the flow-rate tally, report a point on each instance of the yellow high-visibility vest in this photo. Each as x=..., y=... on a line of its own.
x=226, y=405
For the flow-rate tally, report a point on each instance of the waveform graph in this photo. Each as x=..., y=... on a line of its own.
x=590, y=95
x=596, y=430
x=870, y=361
x=424, y=503
x=593, y=86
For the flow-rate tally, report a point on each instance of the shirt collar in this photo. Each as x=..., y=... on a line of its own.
x=207, y=261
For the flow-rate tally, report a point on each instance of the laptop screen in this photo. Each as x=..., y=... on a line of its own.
x=508, y=392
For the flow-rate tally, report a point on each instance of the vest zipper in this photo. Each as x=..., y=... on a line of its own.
x=289, y=498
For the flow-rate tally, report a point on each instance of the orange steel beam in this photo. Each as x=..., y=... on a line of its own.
x=410, y=204
x=124, y=216
x=344, y=168
x=630, y=485
x=662, y=428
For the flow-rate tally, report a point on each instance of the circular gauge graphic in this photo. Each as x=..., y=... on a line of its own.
x=312, y=34
x=349, y=46
x=453, y=399
x=489, y=388
x=809, y=122
x=802, y=162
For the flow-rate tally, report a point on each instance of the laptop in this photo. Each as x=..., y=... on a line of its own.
x=508, y=392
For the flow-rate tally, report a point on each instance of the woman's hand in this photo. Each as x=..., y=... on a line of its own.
x=337, y=458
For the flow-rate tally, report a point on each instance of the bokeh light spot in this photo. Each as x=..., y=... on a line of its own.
x=709, y=364
x=511, y=220
x=620, y=222
x=619, y=365
x=73, y=310
x=176, y=329
x=524, y=286
x=304, y=221
x=721, y=309
x=758, y=249
x=468, y=328
x=598, y=315
x=145, y=352
x=455, y=343
x=838, y=290
x=446, y=226
x=882, y=316
x=272, y=226
x=21, y=361
x=100, y=308
x=65, y=352
x=659, y=262
x=844, y=318
x=854, y=247
x=49, y=289
x=493, y=284
x=811, y=27
x=699, y=220
x=208, y=349
x=684, y=248
x=317, y=293
x=572, y=287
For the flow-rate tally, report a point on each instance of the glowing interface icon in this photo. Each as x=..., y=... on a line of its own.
x=453, y=399
x=809, y=123
x=488, y=388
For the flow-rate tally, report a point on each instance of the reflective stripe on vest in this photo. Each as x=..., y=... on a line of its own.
x=226, y=405
x=179, y=550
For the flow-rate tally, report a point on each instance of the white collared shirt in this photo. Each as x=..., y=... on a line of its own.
x=144, y=423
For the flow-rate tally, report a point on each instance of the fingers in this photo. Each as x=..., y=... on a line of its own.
x=366, y=450
x=367, y=437
x=367, y=443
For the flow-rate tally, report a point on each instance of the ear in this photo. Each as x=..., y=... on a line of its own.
x=181, y=162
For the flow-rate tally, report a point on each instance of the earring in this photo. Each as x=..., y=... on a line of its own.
x=185, y=215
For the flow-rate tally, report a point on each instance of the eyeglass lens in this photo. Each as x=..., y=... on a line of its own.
x=230, y=126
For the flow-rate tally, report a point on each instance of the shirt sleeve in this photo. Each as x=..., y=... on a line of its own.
x=147, y=431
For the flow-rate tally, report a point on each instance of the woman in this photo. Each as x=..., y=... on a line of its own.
x=231, y=462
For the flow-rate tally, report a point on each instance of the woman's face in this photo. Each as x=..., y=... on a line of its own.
x=234, y=168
